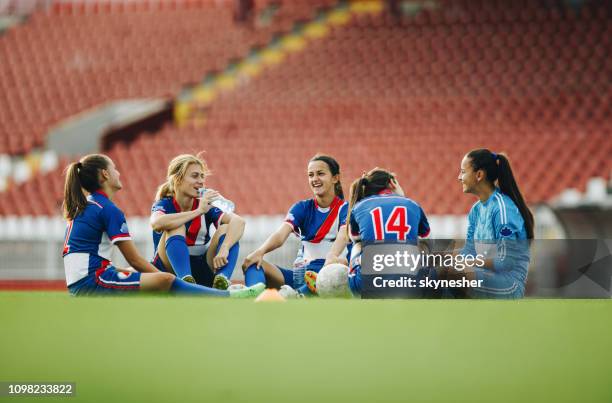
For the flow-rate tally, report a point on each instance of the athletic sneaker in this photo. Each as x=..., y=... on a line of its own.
x=221, y=282
x=236, y=287
x=248, y=292
x=310, y=278
x=189, y=278
x=287, y=292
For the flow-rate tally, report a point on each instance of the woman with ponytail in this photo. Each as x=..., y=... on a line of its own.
x=320, y=224
x=181, y=219
x=499, y=222
x=380, y=212
x=95, y=224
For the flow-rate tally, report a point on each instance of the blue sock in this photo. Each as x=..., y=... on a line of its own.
x=178, y=254
x=253, y=275
x=305, y=291
x=232, y=258
x=182, y=287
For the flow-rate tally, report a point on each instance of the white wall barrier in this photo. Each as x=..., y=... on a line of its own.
x=31, y=247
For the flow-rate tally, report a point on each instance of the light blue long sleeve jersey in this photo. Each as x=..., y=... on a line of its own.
x=496, y=229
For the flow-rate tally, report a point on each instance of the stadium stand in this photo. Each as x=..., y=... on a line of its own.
x=527, y=78
x=77, y=55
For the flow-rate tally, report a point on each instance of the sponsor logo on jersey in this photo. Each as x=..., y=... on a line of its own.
x=505, y=232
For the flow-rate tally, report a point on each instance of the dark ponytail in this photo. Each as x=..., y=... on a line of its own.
x=84, y=174
x=497, y=168
x=507, y=184
x=369, y=184
x=334, y=168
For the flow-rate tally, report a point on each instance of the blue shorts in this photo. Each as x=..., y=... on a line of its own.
x=200, y=271
x=354, y=280
x=288, y=274
x=497, y=285
x=106, y=281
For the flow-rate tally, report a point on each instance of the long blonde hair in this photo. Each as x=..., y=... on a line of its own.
x=176, y=173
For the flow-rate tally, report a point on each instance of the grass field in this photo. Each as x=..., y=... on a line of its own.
x=157, y=348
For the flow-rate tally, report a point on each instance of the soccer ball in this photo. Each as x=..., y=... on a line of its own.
x=332, y=281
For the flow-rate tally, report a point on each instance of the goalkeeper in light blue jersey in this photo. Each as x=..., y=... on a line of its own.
x=500, y=226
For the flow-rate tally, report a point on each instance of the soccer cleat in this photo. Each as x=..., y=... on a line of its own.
x=287, y=292
x=221, y=282
x=310, y=278
x=189, y=278
x=236, y=287
x=248, y=292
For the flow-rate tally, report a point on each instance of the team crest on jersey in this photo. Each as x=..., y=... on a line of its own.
x=122, y=275
x=505, y=232
x=124, y=228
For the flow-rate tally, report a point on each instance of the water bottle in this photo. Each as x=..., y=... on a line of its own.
x=225, y=205
x=299, y=269
x=298, y=276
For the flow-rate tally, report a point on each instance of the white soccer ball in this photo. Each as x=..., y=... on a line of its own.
x=332, y=281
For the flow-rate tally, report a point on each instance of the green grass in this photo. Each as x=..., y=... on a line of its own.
x=156, y=349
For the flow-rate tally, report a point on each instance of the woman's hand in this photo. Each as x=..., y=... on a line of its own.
x=221, y=259
x=331, y=259
x=209, y=196
x=254, y=257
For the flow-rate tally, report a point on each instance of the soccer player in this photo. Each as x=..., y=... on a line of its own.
x=319, y=223
x=499, y=224
x=95, y=224
x=181, y=223
x=380, y=212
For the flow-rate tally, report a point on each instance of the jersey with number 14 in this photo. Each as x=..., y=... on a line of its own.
x=388, y=217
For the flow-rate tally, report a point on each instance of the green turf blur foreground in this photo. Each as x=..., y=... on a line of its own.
x=164, y=349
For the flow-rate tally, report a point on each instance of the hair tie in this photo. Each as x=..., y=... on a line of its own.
x=79, y=165
x=495, y=156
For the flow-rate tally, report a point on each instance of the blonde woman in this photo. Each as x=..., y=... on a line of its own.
x=181, y=220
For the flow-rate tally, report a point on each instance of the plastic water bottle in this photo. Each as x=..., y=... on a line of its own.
x=298, y=276
x=299, y=269
x=225, y=205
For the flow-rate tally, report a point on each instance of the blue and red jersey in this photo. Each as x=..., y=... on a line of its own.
x=196, y=234
x=316, y=226
x=388, y=217
x=90, y=236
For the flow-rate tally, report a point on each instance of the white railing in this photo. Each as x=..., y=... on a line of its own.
x=30, y=247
